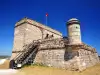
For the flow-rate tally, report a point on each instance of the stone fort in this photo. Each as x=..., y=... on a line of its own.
x=38, y=43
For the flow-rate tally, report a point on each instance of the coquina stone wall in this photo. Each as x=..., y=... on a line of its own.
x=51, y=52
x=27, y=30
x=87, y=58
x=57, y=53
x=19, y=40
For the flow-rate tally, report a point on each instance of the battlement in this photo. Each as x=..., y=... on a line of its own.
x=53, y=43
x=63, y=43
x=82, y=46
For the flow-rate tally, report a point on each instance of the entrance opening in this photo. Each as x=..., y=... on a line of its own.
x=12, y=64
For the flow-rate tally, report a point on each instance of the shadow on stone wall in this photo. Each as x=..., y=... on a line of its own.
x=69, y=54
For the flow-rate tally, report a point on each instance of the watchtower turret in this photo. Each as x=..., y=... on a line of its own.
x=74, y=32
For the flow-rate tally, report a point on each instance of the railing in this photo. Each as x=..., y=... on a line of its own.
x=55, y=40
x=25, y=49
x=23, y=58
x=30, y=56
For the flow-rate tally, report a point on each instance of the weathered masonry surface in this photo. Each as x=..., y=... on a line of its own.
x=57, y=53
x=54, y=50
x=27, y=30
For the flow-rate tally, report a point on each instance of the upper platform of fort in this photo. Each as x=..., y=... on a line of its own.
x=37, y=24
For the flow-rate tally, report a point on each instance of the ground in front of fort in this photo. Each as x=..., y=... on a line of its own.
x=44, y=70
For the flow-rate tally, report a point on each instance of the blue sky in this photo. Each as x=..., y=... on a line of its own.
x=60, y=11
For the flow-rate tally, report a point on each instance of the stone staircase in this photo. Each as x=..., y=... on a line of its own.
x=27, y=56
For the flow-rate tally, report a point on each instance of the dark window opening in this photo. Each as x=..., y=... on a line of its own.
x=77, y=27
x=52, y=35
x=47, y=35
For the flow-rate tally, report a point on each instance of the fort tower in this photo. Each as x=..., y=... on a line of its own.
x=74, y=32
